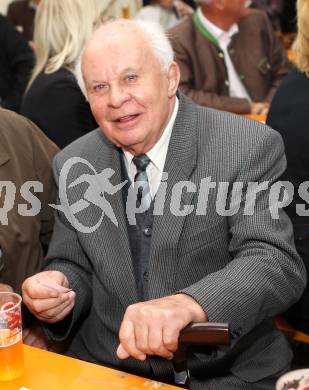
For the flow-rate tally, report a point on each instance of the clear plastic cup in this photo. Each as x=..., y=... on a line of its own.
x=11, y=346
x=294, y=380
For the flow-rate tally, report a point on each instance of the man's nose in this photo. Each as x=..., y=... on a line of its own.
x=118, y=96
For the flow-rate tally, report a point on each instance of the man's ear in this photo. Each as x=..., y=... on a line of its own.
x=173, y=78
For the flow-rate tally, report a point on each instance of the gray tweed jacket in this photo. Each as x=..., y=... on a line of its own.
x=241, y=269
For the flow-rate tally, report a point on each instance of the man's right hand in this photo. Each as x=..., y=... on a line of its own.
x=48, y=296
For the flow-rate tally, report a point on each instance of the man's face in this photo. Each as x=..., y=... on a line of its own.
x=130, y=97
x=235, y=9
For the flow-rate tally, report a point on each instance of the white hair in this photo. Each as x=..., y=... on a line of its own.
x=158, y=42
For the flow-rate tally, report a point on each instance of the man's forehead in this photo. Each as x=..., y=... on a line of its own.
x=117, y=34
x=116, y=58
x=118, y=55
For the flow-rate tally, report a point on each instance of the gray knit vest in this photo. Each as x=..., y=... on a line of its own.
x=139, y=238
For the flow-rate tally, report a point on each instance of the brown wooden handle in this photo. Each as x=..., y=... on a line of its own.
x=205, y=333
x=209, y=334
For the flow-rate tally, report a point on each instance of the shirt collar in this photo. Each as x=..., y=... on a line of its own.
x=216, y=31
x=157, y=153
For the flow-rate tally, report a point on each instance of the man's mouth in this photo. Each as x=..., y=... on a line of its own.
x=126, y=118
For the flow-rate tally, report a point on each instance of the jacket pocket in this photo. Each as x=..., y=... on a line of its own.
x=271, y=360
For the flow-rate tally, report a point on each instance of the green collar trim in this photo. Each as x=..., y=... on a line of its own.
x=203, y=30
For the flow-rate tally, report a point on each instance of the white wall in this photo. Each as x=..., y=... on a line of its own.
x=3, y=6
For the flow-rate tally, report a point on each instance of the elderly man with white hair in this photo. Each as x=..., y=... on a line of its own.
x=129, y=277
x=229, y=57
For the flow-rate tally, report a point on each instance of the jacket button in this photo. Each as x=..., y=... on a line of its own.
x=236, y=333
x=221, y=55
x=226, y=82
x=146, y=276
x=147, y=231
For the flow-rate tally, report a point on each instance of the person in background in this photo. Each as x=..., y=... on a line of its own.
x=21, y=13
x=53, y=99
x=130, y=285
x=25, y=156
x=273, y=9
x=167, y=13
x=229, y=57
x=190, y=3
x=288, y=17
x=289, y=114
x=112, y=9
x=16, y=64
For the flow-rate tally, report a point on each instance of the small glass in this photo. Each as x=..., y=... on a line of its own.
x=11, y=346
x=126, y=11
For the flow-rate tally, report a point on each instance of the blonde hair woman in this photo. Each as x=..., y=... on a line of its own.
x=289, y=115
x=301, y=45
x=53, y=99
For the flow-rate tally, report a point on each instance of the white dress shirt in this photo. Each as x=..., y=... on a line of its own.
x=236, y=87
x=157, y=155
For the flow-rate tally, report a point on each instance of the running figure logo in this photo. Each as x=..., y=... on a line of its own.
x=99, y=185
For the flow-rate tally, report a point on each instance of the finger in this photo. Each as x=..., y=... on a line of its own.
x=155, y=341
x=54, y=317
x=54, y=286
x=170, y=338
x=122, y=353
x=141, y=337
x=60, y=311
x=33, y=289
x=64, y=301
x=64, y=313
x=40, y=306
x=127, y=340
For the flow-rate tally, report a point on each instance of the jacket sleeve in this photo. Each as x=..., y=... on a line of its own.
x=66, y=255
x=265, y=275
x=200, y=96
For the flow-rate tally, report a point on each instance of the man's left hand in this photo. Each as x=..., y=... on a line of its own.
x=35, y=337
x=153, y=327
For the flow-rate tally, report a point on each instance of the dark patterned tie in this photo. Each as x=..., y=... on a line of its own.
x=143, y=193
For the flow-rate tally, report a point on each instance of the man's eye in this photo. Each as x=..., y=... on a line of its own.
x=132, y=77
x=99, y=87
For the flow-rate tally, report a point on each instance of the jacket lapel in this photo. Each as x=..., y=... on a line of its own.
x=180, y=164
x=111, y=242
